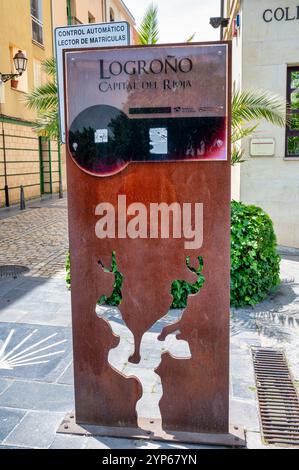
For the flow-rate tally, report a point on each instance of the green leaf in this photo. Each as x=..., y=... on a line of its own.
x=49, y=66
x=254, y=261
x=148, y=31
x=190, y=38
x=256, y=105
x=44, y=99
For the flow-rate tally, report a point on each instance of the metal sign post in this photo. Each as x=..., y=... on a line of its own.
x=148, y=163
x=85, y=37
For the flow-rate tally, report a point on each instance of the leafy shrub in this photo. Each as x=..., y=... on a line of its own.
x=181, y=289
x=254, y=261
x=68, y=270
x=116, y=296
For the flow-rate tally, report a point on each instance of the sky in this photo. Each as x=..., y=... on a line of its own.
x=179, y=19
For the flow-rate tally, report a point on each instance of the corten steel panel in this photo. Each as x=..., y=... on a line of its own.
x=195, y=391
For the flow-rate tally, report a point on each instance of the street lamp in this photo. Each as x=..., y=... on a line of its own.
x=219, y=21
x=20, y=63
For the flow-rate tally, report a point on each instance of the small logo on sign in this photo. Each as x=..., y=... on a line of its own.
x=178, y=109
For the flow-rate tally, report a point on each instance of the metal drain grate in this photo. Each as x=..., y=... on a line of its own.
x=277, y=396
x=12, y=271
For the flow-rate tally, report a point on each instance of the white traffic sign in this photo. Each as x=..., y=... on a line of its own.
x=85, y=37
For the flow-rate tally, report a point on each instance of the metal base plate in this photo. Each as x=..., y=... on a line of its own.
x=234, y=438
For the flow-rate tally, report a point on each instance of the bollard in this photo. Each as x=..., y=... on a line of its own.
x=60, y=189
x=22, y=199
x=6, y=196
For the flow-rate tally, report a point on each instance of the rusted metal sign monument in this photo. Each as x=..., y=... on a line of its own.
x=148, y=163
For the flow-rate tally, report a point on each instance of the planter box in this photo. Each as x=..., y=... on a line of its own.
x=14, y=84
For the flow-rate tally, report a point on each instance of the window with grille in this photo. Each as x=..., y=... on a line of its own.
x=37, y=21
x=292, y=130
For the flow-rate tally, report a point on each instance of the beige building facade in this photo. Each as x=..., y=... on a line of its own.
x=265, y=38
x=90, y=11
x=27, y=160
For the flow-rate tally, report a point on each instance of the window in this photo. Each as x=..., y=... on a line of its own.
x=112, y=16
x=91, y=18
x=37, y=21
x=292, y=131
x=38, y=77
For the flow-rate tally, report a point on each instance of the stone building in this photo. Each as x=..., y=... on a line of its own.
x=27, y=25
x=265, y=38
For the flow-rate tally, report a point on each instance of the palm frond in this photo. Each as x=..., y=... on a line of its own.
x=49, y=66
x=148, y=32
x=250, y=106
x=237, y=155
x=190, y=38
x=43, y=97
x=256, y=105
x=239, y=133
x=47, y=125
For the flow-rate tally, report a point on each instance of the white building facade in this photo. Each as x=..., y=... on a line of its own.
x=265, y=38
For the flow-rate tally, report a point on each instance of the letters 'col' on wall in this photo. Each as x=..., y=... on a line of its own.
x=149, y=201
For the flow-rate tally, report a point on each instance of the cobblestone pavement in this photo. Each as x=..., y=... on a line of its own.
x=37, y=239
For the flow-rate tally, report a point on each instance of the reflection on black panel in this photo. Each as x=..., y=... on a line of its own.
x=103, y=139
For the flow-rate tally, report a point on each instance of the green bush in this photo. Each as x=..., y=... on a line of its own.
x=116, y=296
x=181, y=289
x=254, y=260
x=68, y=270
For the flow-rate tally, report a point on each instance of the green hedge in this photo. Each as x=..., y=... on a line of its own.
x=254, y=262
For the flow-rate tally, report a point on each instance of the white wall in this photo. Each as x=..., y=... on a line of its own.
x=267, y=49
x=237, y=85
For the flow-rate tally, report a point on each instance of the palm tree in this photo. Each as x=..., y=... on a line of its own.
x=248, y=107
x=148, y=31
x=44, y=99
x=253, y=106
